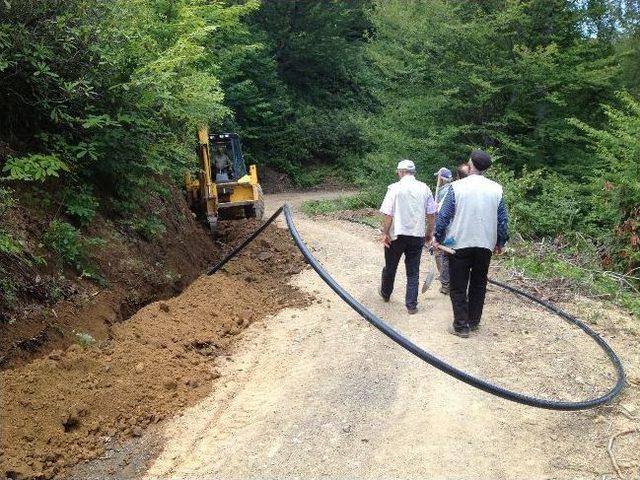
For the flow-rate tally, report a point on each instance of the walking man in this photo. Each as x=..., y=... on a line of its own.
x=409, y=218
x=443, y=184
x=473, y=221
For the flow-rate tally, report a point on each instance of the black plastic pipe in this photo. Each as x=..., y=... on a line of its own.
x=435, y=361
x=249, y=239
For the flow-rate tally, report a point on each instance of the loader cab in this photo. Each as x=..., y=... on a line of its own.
x=224, y=188
x=227, y=161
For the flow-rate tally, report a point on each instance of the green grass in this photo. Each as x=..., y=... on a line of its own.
x=354, y=202
x=580, y=274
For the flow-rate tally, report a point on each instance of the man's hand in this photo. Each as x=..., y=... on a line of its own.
x=386, y=228
x=498, y=250
x=428, y=240
x=435, y=244
x=386, y=240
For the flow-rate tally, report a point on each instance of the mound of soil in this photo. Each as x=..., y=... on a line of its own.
x=63, y=408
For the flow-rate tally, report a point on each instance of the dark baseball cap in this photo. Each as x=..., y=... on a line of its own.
x=481, y=160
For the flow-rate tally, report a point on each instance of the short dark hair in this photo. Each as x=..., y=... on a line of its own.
x=481, y=160
x=462, y=171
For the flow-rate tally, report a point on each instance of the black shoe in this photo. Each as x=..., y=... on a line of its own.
x=386, y=299
x=412, y=311
x=462, y=333
x=474, y=328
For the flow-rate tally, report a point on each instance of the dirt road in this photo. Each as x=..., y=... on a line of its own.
x=318, y=392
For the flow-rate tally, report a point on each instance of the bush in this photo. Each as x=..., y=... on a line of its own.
x=85, y=340
x=9, y=246
x=80, y=205
x=576, y=267
x=66, y=241
x=542, y=203
x=115, y=90
x=150, y=228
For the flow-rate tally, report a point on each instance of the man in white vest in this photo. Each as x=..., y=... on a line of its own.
x=473, y=221
x=409, y=217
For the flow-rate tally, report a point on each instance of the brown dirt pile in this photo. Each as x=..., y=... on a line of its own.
x=60, y=409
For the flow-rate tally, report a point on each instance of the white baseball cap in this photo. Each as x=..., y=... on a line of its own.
x=406, y=165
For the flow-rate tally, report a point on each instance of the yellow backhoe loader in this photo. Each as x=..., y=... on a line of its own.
x=224, y=188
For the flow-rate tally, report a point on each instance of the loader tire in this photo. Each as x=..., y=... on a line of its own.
x=257, y=209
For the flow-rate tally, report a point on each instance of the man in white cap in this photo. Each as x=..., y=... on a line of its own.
x=409, y=220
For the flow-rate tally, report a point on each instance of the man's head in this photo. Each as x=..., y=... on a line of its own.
x=462, y=171
x=406, y=167
x=479, y=161
x=220, y=147
x=444, y=174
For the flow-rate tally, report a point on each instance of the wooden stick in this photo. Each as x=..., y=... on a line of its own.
x=448, y=250
x=610, y=449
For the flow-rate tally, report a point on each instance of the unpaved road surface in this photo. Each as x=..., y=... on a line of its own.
x=319, y=393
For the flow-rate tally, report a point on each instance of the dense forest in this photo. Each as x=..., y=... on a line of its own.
x=101, y=101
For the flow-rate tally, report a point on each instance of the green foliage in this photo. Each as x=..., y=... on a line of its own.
x=149, y=227
x=615, y=181
x=112, y=90
x=8, y=289
x=542, y=203
x=504, y=76
x=66, y=241
x=34, y=167
x=355, y=202
x=7, y=201
x=80, y=205
x=8, y=246
x=574, y=268
x=295, y=91
x=85, y=340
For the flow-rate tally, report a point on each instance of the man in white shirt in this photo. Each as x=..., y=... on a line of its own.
x=409, y=219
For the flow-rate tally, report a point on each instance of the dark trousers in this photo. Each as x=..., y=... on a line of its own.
x=468, y=270
x=411, y=247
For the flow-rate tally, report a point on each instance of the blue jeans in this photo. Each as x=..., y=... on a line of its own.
x=411, y=247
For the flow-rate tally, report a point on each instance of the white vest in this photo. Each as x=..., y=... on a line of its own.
x=475, y=223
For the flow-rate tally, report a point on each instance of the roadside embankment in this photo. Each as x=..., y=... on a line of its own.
x=62, y=408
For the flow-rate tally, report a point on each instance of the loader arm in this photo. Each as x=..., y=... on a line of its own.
x=209, y=193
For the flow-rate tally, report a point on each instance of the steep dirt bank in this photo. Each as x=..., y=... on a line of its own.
x=57, y=304
x=64, y=407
